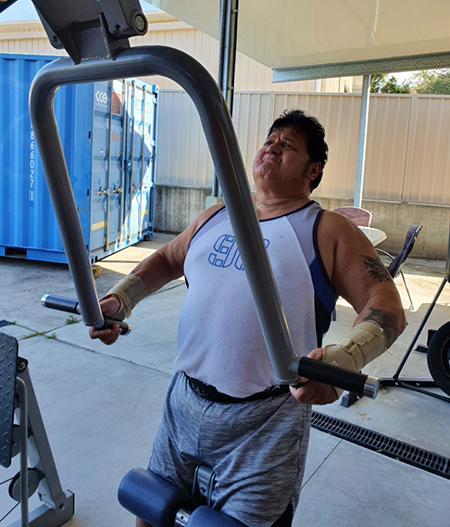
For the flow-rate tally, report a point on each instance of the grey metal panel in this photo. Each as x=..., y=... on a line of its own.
x=427, y=180
x=387, y=153
x=186, y=159
x=363, y=67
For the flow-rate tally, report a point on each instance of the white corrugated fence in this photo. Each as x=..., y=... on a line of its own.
x=407, y=158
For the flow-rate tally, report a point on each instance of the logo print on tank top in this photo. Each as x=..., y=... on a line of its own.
x=226, y=253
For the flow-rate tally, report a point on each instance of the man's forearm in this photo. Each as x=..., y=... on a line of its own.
x=392, y=324
x=146, y=278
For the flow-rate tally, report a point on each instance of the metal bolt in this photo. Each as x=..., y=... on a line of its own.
x=21, y=366
x=139, y=22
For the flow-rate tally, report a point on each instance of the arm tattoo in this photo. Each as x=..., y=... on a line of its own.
x=376, y=269
x=387, y=321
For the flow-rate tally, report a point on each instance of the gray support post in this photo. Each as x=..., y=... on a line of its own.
x=131, y=171
x=229, y=10
x=23, y=412
x=141, y=202
x=362, y=139
x=108, y=184
x=57, y=507
x=39, y=451
x=122, y=159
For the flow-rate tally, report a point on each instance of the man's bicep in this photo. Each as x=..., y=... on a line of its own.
x=357, y=268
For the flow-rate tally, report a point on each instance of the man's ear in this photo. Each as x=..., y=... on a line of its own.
x=314, y=170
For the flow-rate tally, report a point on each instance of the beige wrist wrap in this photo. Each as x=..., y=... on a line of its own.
x=130, y=290
x=364, y=344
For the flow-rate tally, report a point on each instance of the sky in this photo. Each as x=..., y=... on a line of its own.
x=24, y=10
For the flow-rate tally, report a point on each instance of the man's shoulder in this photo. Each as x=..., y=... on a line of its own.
x=204, y=216
x=334, y=222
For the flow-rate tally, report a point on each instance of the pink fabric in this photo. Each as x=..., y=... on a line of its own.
x=358, y=216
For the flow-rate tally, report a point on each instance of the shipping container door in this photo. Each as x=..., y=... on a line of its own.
x=107, y=168
x=140, y=149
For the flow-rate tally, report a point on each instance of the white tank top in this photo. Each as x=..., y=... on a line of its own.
x=220, y=341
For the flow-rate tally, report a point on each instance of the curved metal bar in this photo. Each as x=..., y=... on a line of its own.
x=23, y=407
x=219, y=132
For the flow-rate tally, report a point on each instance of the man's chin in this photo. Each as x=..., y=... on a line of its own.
x=267, y=172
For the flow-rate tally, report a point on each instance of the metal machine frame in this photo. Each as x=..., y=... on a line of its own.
x=57, y=506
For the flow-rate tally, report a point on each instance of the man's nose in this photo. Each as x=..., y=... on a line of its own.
x=273, y=147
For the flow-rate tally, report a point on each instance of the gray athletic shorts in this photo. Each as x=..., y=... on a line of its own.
x=257, y=450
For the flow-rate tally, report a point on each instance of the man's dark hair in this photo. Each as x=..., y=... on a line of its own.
x=314, y=134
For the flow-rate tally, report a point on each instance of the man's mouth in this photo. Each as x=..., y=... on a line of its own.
x=271, y=159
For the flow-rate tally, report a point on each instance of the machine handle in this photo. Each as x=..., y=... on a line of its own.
x=61, y=303
x=70, y=305
x=358, y=383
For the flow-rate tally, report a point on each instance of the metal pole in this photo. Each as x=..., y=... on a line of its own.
x=230, y=53
x=420, y=329
x=141, y=204
x=23, y=406
x=131, y=171
x=361, y=155
x=123, y=160
x=108, y=183
x=227, y=60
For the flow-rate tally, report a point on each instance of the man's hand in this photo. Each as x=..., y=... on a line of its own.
x=109, y=307
x=313, y=392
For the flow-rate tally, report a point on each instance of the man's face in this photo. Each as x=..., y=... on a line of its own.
x=284, y=159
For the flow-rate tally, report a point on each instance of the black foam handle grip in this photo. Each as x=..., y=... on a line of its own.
x=61, y=303
x=70, y=305
x=328, y=374
x=125, y=328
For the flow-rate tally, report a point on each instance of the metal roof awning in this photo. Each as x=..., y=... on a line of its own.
x=301, y=39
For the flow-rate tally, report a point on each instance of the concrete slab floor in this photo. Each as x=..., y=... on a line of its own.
x=101, y=405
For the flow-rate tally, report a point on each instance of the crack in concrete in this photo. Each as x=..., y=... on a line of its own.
x=323, y=461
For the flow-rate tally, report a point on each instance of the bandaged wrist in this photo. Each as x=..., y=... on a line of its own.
x=130, y=290
x=364, y=344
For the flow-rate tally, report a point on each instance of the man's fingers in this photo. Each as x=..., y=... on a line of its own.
x=107, y=336
x=313, y=392
x=315, y=354
x=303, y=394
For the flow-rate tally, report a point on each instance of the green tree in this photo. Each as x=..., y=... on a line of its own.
x=382, y=83
x=431, y=81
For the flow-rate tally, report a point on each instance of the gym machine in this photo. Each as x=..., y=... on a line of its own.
x=437, y=351
x=98, y=47
x=28, y=439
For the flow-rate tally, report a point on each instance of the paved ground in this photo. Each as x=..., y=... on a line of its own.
x=101, y=405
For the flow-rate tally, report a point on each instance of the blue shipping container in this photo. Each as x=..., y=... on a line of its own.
x=107, y=130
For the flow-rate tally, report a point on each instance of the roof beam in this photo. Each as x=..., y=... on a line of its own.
x=364, y=67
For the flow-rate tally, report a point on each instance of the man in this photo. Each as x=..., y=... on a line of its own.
x=223, y=406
